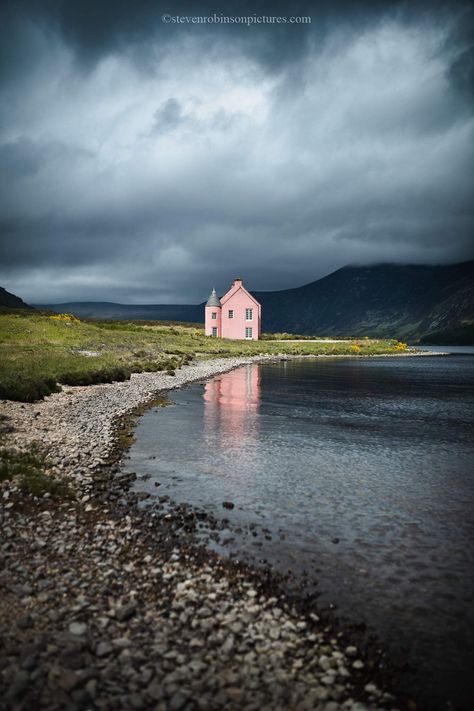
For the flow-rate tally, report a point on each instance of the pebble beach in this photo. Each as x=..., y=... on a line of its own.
x=106, y=604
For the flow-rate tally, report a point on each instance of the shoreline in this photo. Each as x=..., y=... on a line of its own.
x=63, y=423
x=93, y=582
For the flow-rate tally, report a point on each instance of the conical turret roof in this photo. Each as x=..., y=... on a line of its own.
x=213, y=300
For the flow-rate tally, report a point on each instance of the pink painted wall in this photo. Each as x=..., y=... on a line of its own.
x=234, y=327
x=237, y=299
x=211, y=323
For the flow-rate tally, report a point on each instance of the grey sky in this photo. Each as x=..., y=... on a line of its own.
x=144, y=162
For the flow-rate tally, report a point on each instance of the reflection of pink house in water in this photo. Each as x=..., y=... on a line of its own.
x=231, y=404
x=235, y=315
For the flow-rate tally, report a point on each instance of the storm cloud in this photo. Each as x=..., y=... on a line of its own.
x=147, y=162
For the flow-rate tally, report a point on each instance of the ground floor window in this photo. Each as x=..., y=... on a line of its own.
x=214, y=331
x=248, y=332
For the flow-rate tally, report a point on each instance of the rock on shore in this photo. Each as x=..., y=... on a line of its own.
x=106, y=606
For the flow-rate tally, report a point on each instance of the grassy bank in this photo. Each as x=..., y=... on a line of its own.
x=39, y=352
x=29, y=469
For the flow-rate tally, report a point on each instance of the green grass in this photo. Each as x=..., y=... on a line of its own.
x=29, y=470
x=38, y=351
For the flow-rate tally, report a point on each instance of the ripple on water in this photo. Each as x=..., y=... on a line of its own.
x=373, y=454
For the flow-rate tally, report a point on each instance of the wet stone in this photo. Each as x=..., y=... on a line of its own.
x=78, y=628
x=156, y=691
x=177, y=701
x=69, y=680
x=103, y=649
x=125, y=612
x=23, y=623
x=19, y=685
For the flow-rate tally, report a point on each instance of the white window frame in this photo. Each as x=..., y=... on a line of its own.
x=247, y=316
x=214, y=331
x=248, y=333
x=214, y=315
x=231, y=313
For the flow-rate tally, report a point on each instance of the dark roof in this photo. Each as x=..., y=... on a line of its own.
x=213, y=300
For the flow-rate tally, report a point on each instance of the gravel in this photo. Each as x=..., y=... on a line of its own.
x=107, y=605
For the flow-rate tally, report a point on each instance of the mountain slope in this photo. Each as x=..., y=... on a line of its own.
x=11, y=301
x=387, y=300
x=383, y=300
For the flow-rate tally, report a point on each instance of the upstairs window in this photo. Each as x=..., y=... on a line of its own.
x=231, y=313
x=248, y=332
x=214, y=315
x=248, y=314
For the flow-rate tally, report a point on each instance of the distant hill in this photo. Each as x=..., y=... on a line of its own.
x=387, y=300
x=133, y=312
x=11, y=301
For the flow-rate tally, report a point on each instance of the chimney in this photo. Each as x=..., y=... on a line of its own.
x=236, y=281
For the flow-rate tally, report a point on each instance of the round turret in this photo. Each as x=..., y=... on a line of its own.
x=214, y=300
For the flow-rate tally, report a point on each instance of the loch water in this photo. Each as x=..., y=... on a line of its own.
x=360, y=472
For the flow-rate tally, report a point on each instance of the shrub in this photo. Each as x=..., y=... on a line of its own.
x=27, y=390
x=111, y=374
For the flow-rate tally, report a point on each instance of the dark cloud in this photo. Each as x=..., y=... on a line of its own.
x=135, y=27
x=168, y=116
x=142, y=161
x=461, y=71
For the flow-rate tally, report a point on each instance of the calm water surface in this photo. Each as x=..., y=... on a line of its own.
x=362, y=472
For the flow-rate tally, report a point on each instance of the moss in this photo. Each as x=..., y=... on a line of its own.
x=126, y=429
x=125, y=438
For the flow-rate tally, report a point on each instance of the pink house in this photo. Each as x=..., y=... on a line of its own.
x=235, y=315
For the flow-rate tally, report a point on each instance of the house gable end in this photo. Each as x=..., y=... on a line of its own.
x=233, y=291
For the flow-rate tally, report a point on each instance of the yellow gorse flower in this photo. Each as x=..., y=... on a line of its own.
x=65, y=317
